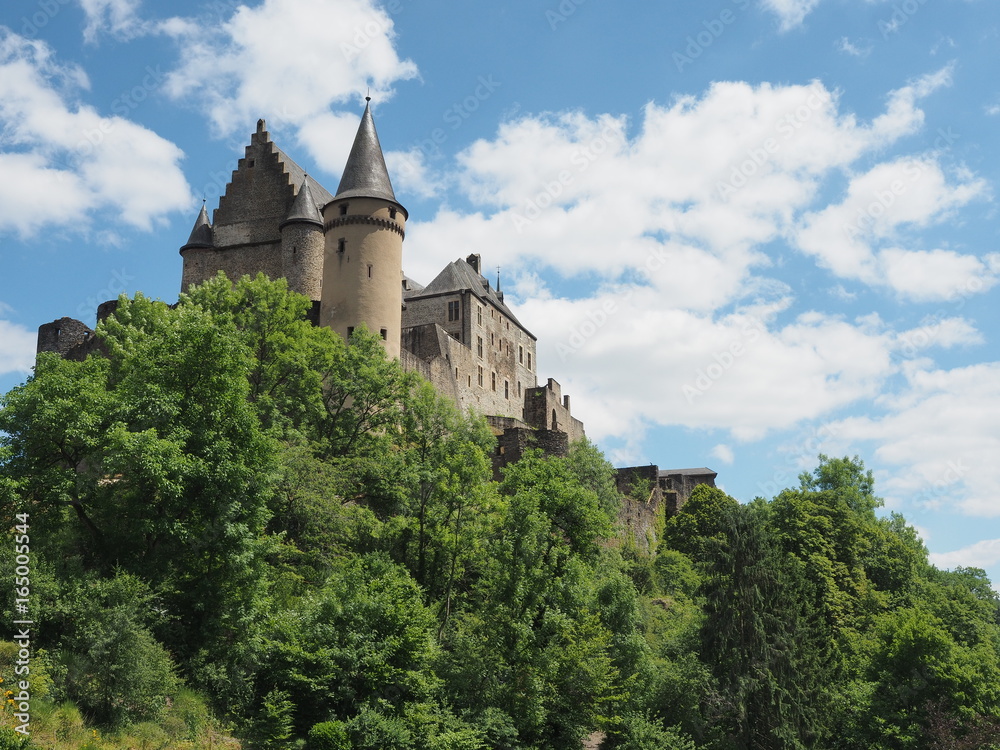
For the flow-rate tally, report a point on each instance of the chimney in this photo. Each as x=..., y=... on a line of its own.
x=475, y=261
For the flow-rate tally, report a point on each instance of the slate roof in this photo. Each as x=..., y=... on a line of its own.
x=365, y=175
x=459, y=276
x=297, y=176
x=304, y=208
x=201, y=233
x=688, y=472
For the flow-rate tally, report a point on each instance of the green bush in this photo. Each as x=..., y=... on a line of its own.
x=329, y=735
x=11, y=740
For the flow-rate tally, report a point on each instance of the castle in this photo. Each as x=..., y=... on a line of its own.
x=344, y=251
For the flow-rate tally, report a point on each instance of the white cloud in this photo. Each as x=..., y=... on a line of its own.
x=80, y=161
x=702, y=189
x=289, y=61
x=17, y=348
x=984, y=554
x=724, y=453
x=791, y=13
x=846, y=46
x=116, y=17
x=940, y=438
x=858, y=237
x=411, y=173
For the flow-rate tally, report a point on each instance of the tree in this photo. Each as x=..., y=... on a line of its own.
x=761, y=640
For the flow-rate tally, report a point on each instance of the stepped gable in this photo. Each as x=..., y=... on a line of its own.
x=260, y=194
x=460, y=276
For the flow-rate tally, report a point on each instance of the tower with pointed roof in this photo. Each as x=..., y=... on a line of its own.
x=302, y=243
x=363, y=258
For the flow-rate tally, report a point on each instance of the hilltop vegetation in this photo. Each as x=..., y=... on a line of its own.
x=241, y=525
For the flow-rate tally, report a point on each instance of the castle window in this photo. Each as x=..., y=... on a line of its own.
x=493, y=340
x=453, y=311
x=493, y=381
x=369, y=270
x=480, y=376
x=555, y=423
x=529, y=360
x=479, y=310
x=506, y=389
x=479, y=345
x=519, y=389
x=456, y=373
x=470, y=381
x=350, y=331
x=341, y=245
x=392, y=213
x=250, y=163
x=520, y=354
x=343, y=209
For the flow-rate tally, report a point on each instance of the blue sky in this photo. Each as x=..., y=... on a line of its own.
x=745, y=231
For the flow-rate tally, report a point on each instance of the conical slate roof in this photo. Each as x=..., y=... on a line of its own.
x=365, y=175
x=304, y=208
x=201, y=234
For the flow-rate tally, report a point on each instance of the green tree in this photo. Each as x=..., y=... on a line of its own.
x=365, y=638
x=761, y=640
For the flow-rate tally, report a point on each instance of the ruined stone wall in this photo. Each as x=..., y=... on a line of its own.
x=513, y=442
x=546, y=408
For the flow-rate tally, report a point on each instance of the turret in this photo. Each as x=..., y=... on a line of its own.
x=365, y=226
x=197, y=251
x=302, y=244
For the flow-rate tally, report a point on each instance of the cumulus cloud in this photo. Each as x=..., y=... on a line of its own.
x=291, y=62
x=856, y=238
x=80, y=160
x=940, y=436
x=791, y=13
x=118, y=18
x=17, y=348
x=982, y=554
x=704, y=190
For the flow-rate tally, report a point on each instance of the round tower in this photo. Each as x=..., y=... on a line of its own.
x=198, y=251
x=302, y=245
x=363, y=256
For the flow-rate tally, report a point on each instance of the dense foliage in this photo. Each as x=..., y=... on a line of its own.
x=234, y=502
